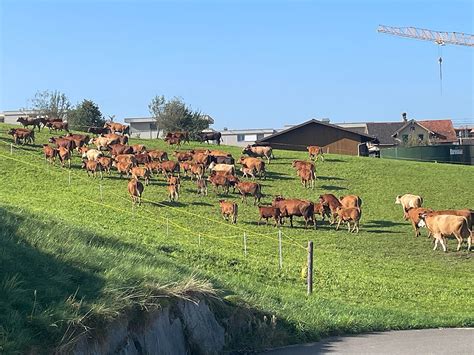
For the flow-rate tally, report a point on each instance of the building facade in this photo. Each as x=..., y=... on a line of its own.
x=244, y=137
x=11, y=117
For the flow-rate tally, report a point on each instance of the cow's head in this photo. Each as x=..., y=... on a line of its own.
x=246, y=149
x=422, y=223
x=12, y=131
x=52, y=140
x=398, y=200
x=278, y=198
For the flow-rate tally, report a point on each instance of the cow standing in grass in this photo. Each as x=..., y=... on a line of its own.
x=49, y=153
x=259, y=152
x=408, y=201
x=348, y=215
x=26, y=121
x=229, y=210
x=295, y=207
x=315, y=152
x=135, y=190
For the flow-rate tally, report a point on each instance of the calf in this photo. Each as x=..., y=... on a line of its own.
x=140, y=172
x=249, y=188
x=295, y=207
x=248, y=172
x=301, y=164
x=172, y=193
x=158, y=155
x=185, y=166
x=332, y=202
x=127, y=158
x=105, y=163
x=142, y=158
x=91, y=154
x=350, y=201
x=267, y=212
x=228, y=210
x=123, y=167
x=49, y=153
x=307, y=177
x=117, y=149
x=183, y=156
x=201, y=185
x=197, y=171
x=442, y=226
x=254, y=163
x=64, y=155
x=413, y=214
x=63, y=142
x=408, y=201
x=315, y=152
x=135, y=190
x=174, y=180
x=259, y=151
x=153, y=166
x=169, y=167
x=92, y=167
x=322, y=210
x=138, y=148
x=219, y=181
x=350, y=214
x=22, y=135
x=57, y=126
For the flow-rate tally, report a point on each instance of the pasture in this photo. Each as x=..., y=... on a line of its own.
x=78, y=255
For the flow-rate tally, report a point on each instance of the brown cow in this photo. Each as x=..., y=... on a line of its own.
x=295, y=207
x=249, y=188
x=254, y=163
x=173, y=141
x=350, y=214
x=92, y=167
x=58, y=126
x=153, y=166
x=123, y=167
x=248, y=172
x=169, y=167
x=28, y=121
x=259, y=152
x=49, y=153
x=302, y=164
x=64, y=155
x=138, y=148
x=414, y=216
x=80, y=140
x=315, y=152
x=116, y=138
x=466, y=213
x=197, y=171
x=332, y=202
x=158, y=155
x=142, y=158
x=350, y=201
x=202, y=158
x=118, y=148
x=307, y=177
x=201, y=185
x=105, y=163
x=140, y=172
x=322, y=210
x=127, y=158
x=117, y=127
x=219, y=180
x=267, y=212
x=183, y=156
x=63, y=142
x=224, y=168
x=172, y=192
x=174, y=180
x=22, y=135
x=442, y=226
x=185, y=166
x=228, y=209
x=219, y=153
x=135, y=190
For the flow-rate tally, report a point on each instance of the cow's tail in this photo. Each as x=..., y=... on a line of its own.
x=465, y=231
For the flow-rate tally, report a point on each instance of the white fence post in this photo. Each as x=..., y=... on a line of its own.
x=199, y=239
x=69, y=179
x=245, y=244
x=11, y=148
x=279, y=249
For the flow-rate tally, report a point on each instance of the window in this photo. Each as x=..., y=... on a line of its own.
x=405, y=138
x=240, y=137
x=421, y=137
x=250, y=137
x=259, y=136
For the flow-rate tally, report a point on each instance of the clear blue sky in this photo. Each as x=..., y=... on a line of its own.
x=249, y=64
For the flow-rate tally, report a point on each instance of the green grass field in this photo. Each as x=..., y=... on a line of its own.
x=70, y=259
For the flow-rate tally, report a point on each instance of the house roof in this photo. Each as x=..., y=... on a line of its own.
x=139, y=120
x=442, y=128
x=384, y=131
x=246, y=131
x=313, y=121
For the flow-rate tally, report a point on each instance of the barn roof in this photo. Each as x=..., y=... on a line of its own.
x=384, y=131
x=313, y=121
x=442, y=128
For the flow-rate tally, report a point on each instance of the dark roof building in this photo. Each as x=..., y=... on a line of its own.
x=334, y=139
x=384, y=131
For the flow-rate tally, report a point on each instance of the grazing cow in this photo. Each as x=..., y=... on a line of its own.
x=408, y=201
x=153, y=166
x=140, y=172
x=248, y=172
x=254, y=163
x=301, y=164
x=118, y=148
x=123, y=167
x=80, y=140
x=197, y=171
x=202, y=158
x=443, y=226
x=169, y=167
x=228, y=209
x=127, y=158
x=259, y=152
x=307, y=177
x=224, y=168
x=26, y=121
x=91, y=154
x=349, y=214
x=92, y=167
x=22, y=135
x=332, y=202
x=158, y=155
x=135, y=190
x=219, y=153
x=64, y=155
x=63, y=142
x=201, y=185
x=116, y=138
x=210, y=136
x=295, y=207
x=49, y=153
x=315, y=152
x=267, y=212
x=117, y=127
x=185, y=166
x=414, y=217
x=138, y=148
x=219, y=181
x=219, y=159
x=98, y=130
x=249, y=188
x=322, y=209
x=105, y=163
x=183, y=156
x=173, y=141
x=142, y=158
x=350, y=201
x=57, y=126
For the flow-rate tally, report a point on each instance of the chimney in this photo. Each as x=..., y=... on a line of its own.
x=404, y=116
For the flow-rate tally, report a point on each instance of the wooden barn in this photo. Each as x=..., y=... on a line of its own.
x=332, y=138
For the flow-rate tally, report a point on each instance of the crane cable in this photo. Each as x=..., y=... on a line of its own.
x=440, y=61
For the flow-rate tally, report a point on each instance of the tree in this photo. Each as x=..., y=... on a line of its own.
x=53, y=104
x=175, y=115
x=85, y=114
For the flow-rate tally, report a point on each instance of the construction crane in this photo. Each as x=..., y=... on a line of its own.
x=440, y=38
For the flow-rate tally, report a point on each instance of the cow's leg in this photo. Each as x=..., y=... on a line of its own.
x=338, y=224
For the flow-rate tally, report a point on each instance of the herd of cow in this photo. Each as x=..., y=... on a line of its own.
x=110, y=149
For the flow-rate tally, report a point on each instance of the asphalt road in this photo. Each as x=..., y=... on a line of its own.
x=406, y=342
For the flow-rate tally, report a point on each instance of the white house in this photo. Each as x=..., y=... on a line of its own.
x=244, y=137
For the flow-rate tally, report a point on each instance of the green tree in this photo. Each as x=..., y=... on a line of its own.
x=84, y=115
x=53, y=104
x=175, y=115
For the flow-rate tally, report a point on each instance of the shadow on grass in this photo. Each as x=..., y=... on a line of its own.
x=199, y=203
x=329, y=178
x=332, y=187
x=271, y=175
x=378, y=231
x=384, y=223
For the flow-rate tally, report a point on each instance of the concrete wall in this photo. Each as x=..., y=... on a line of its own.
x=142, y=130
x=231, y=139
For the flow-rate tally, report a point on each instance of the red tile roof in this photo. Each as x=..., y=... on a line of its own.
x=442, y=127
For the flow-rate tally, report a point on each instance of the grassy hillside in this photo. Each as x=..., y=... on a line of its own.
x=70, y=258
